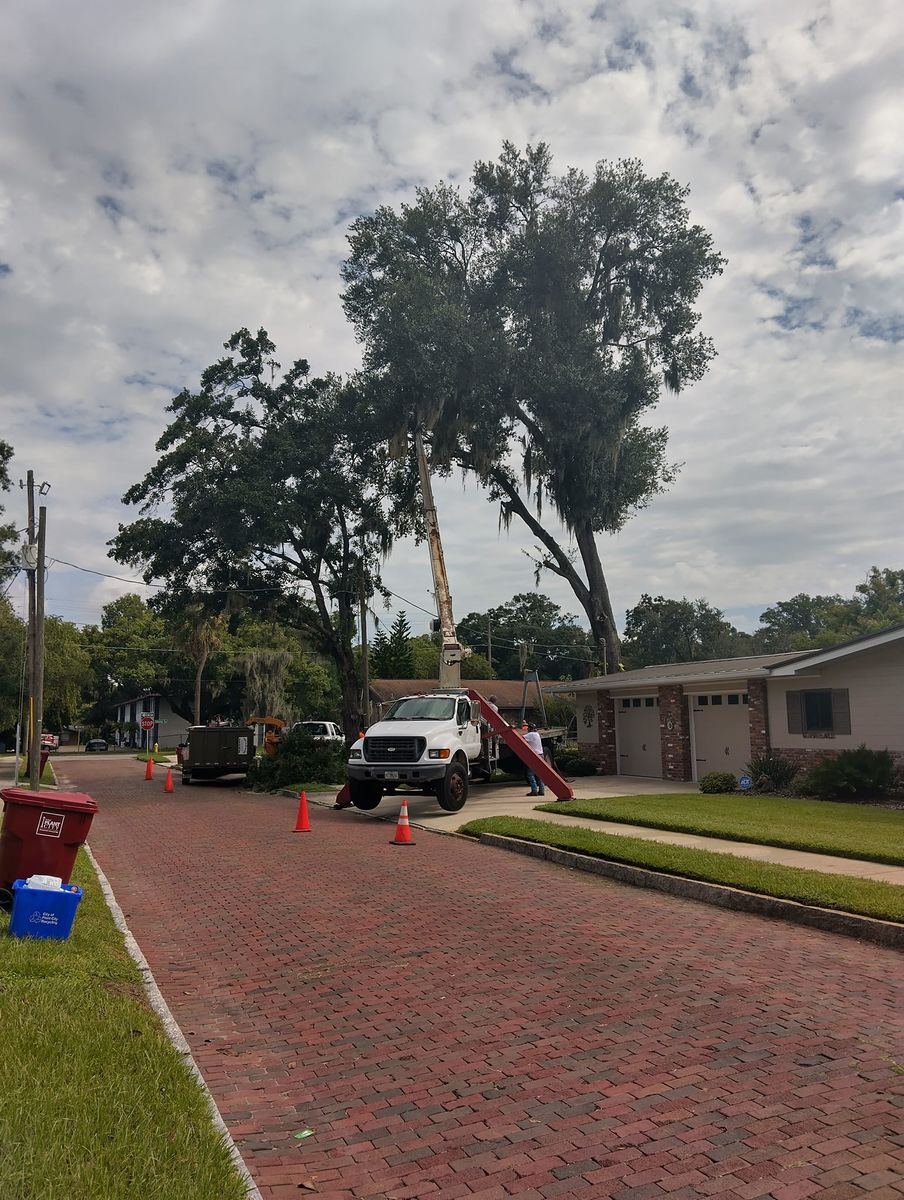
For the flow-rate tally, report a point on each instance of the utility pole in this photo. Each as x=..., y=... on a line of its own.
x=35, y=779
x=365, y=657
x=30, y=560
x=489, y=641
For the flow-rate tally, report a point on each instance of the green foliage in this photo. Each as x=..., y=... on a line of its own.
x=718, y=782
x=810, y=622
x=570, y=762
x=8, y=556
x=392, y=656
x=771, y=772
x=12, y=654
x=860, y=774
x=298, y=756
x=555, y=644
x=658, y=630
x=538, y=318
x=67, y=673
x=284, y=500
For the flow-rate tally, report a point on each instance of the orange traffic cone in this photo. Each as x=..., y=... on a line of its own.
x=149, y=769
x=302, y=824
x=403, y=829
x=168, y=786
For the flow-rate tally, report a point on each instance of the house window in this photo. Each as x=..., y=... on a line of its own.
x=635, y=702
x=734, y=698
x=820, y=712
x=702, y=700
x=715, y=699
x=626, y=703
x=648, y=703
x=745, y=699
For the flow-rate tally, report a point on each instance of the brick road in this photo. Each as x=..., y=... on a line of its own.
x=453, y=1021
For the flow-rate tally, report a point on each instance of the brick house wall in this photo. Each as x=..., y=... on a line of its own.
x=675, y=733
x=602, y=749
x=758, y=715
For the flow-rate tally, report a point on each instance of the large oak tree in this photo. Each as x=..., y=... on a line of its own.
x=527, y=328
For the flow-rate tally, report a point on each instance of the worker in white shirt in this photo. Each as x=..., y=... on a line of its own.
x=533, y=740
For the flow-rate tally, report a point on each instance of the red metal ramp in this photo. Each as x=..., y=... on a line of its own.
x=559, y=787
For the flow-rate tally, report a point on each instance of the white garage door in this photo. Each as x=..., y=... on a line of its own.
x=639, y=744
x=721, y=732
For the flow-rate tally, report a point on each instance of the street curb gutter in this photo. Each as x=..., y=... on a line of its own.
x=170, y=1026
x=885, y=933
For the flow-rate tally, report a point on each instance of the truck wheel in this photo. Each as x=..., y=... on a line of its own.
x=365, y=796
x=452, y=790
x=186, y=777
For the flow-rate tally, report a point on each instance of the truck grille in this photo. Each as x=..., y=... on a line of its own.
x=394, y=749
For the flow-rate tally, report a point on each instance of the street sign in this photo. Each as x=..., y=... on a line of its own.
x=147, y=722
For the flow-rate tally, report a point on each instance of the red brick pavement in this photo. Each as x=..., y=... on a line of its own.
x=452, y=1021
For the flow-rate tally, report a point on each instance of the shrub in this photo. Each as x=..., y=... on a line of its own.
x=569, y=762
x=771, y=773
x=298, y=759
x=718, y=781
x=859, y=774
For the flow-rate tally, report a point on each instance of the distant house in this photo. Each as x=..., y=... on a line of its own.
x=508, y=693
x=681, y=720
x=169, y=728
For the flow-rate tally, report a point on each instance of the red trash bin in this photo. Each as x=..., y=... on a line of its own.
x=42, y=832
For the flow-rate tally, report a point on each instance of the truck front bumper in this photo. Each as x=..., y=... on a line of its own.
x=390, y=773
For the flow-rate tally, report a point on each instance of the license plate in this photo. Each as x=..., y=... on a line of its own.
x=390, y=774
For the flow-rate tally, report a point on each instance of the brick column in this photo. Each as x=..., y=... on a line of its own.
x=675, y=732
x=758, y=716
x=602, y=752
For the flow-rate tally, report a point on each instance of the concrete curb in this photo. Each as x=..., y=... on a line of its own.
x=170, y=1026
x=885, y=933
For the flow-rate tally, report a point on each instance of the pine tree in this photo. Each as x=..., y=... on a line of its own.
x=379, y=657
x=400, y=661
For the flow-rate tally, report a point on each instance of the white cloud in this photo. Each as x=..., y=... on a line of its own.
x=172, y=172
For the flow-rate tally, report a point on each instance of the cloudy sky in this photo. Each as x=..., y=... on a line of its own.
x=172, y=171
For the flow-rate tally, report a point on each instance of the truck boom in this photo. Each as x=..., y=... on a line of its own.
x=450, y=653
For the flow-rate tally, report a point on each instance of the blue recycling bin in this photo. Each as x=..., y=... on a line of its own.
x=43, y=913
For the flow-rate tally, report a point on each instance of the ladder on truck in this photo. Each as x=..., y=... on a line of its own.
x=559, y=787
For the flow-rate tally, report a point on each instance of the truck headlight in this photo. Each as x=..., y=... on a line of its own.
x=438, y=753
x=354, y=754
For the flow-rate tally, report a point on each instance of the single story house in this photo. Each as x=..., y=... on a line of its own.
x=681, y=720
x=509, y=695
x=169, y=728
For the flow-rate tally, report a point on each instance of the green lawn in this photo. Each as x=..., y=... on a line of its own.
x=849, y=830
x=94, y=1100
x=843, y=892
x=159, y=756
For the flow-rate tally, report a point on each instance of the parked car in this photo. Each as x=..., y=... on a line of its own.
x=96, y=745
x=50, y=741
x=320, y=731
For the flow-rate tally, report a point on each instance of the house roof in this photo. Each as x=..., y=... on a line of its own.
x=713, y=670
x=721, y=670
x=508, y=692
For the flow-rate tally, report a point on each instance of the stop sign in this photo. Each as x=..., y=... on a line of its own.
x=147, y=723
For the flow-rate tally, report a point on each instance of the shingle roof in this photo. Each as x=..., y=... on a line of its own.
x=660, y=674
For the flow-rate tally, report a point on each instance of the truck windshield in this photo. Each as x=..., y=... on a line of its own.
x=422, y=708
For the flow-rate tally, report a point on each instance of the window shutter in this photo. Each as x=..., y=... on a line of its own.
x=795, y=718
x=841, y=711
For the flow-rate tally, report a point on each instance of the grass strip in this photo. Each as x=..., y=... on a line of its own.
x=827, y=827
x=94, y=1100
x=844, y=892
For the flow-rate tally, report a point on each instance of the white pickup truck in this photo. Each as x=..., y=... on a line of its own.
x=320, y=731
x=427, y=741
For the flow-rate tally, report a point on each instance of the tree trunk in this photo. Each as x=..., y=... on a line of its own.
x=599, y=605
x=202, y=661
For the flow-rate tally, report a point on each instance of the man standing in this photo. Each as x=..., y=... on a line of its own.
x=533, y=740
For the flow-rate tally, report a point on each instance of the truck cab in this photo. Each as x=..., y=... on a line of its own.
x=427, y=741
